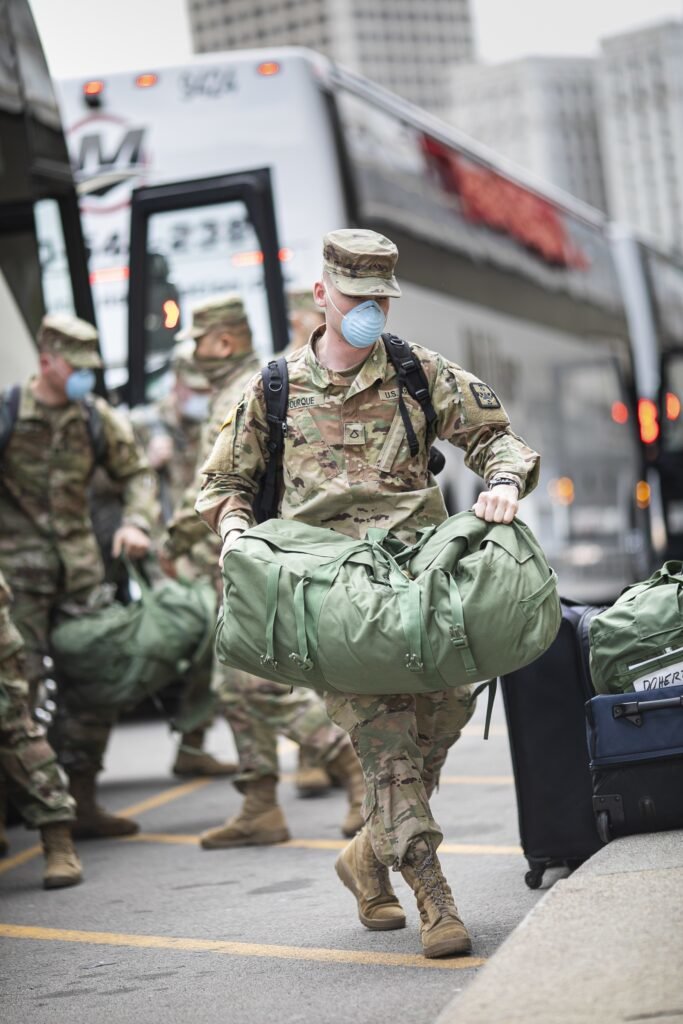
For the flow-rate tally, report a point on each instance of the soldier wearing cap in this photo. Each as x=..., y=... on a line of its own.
x=56, y=433
x=347, y=466
x=257, y=710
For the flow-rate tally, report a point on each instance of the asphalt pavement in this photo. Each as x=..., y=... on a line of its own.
x=161, y=930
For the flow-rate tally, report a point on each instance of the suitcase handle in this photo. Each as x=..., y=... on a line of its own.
x=633, y=709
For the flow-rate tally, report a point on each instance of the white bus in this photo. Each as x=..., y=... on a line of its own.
x=42, y=256
x=225, y=173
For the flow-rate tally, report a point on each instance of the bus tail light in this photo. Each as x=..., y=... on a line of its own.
x=561, y=491
x=247, y=259
x=648, y=421
x=269, y=67
x=643, y=494
x=171, y=311
x=92, y=92
x=672, y=406
x=619, y=412
x=146, y=81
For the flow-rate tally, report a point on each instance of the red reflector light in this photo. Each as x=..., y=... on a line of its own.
x=108, y=274
x=247, y=259
x=269, y=67
x=643, y=494
x=673, y=406
x=145, y=81
x=171, y=314
x=619, y=412
x=94, y=88
x=647, y=421
x=285, y=255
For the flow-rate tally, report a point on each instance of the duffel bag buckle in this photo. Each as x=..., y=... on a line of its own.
x=266, y=659
x=305, y=664
x=458, y=638
x=413, y=663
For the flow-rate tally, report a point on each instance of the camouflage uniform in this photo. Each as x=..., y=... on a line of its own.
x=28, y=765
x=347, y=466
x=256, y=709
x=48, y=551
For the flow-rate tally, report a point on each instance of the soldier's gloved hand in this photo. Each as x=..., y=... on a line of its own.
x=231, y=537
x=498, y=505
x=130, y=540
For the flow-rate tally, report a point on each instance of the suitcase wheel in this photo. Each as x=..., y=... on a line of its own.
x=534, y=877
x=602, y=825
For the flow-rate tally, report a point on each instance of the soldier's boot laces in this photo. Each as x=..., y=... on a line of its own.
x=311, y=778
x=346, y=770
x=192, y=761
x=368, y=879
x=260, y=821
x=441, y=929
x=92, y=821
x=62, y=866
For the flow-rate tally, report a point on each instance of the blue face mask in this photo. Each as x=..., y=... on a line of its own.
x=79, y=384
x=363, y=324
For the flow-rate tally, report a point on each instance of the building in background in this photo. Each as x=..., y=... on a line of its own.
x=408, y=47
x=539, y=112
x=641, y=96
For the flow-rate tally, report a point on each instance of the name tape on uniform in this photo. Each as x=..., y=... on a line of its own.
x=305, y=402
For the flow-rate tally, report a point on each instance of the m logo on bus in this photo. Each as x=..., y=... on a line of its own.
x=109, y=159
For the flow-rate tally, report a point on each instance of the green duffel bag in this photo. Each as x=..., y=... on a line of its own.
x=310, y=607
x=637, y=644
x=116, y=657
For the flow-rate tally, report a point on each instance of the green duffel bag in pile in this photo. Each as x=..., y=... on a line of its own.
x=118, y=656
x=637, y=644
x=311, y=607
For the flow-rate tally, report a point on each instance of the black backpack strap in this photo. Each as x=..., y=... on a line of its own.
x=9, y=410
x=412, y=377
x=276, y=396
x=98, y=438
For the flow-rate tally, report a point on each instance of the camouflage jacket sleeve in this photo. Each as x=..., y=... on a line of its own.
x=126, y=464
x=471, y=417
x=10, y=637
x=236, y=464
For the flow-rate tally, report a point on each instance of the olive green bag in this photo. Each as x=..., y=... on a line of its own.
x=311, y=607
x=637, y=644
x=116, y=657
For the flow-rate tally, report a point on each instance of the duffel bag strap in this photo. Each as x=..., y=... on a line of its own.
x=457, y=631
x=411, y=620
x=492, y=686
x=272, y=584
x=302, y=657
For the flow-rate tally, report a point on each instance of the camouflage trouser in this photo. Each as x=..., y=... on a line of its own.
x=80, y=736
x=402, y=743
x=259, y=711
x=29, y=771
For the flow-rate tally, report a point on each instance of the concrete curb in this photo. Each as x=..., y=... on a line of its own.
x=604, y=945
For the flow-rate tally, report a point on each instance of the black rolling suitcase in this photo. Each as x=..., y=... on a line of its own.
x=636, y=761
x=544, y=707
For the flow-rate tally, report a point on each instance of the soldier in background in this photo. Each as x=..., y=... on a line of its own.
x=48, y=552
x=169, y=431
x=256, y=709
x=29, y=773
x=304, y=318
x=347, y=466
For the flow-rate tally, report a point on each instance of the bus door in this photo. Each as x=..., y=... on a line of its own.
x=190, y=241
x=670, y=455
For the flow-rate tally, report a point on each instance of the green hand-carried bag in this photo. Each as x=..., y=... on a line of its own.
x=637, y=644
x=311, y=607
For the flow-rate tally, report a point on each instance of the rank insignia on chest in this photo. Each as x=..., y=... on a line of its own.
x=354, y=433
x=484, y=396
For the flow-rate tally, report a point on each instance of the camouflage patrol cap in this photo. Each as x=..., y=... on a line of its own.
x=74, y=339
x=185, y=366
x=221, y=310
x=300, y=300
x=361, y=262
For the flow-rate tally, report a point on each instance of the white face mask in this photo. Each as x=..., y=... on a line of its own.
x=195, y=407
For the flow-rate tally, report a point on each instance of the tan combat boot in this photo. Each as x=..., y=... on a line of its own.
x=260, y=822
x=92, y=821
x=311, y=778
x=192, y=761
x=62, y=866
x=368, y=880
x=346, y=770
x=441, y=930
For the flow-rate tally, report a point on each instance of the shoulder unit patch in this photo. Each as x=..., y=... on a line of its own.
x=484, y=396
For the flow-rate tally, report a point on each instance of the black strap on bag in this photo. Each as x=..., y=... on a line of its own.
x=9, y=411
x=412, y=378
x=276, y=396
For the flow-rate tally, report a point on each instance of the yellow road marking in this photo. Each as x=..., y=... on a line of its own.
x=18, y=859
x=330, y=956
x=463, y=849
x=168, y=795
